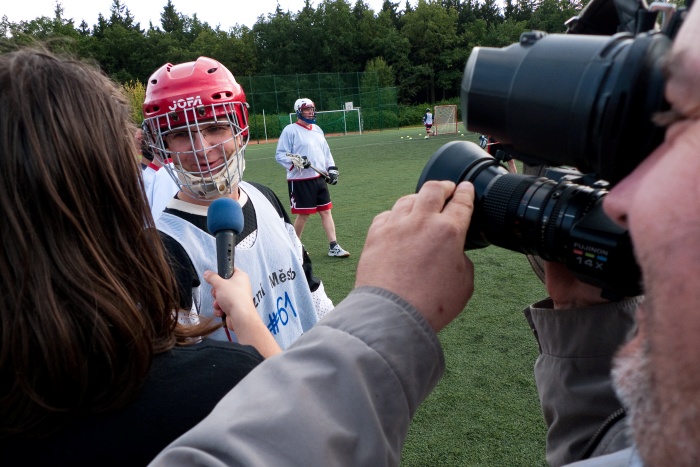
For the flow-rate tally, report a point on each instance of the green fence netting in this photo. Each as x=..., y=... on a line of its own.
x=273, y=97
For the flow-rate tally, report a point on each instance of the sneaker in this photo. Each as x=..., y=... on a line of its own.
x=337, y=250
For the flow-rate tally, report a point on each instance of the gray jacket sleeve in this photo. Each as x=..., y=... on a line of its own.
x=343, y=394
x=573, y=371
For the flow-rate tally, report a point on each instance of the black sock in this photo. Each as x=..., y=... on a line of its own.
x=333, y=245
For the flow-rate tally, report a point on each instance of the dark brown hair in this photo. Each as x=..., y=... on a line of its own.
x=87, y=295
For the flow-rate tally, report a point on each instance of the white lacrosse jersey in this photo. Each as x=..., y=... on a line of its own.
x=162, y=189
x=309, y=142
x=147, y=175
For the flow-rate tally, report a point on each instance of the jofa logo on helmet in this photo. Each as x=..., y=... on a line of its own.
x=186, y=103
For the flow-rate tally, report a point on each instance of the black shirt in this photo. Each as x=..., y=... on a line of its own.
x=181, y=389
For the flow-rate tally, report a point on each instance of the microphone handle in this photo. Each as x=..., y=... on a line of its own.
x=225, y=251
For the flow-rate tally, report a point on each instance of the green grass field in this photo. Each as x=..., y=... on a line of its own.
x=485, y=410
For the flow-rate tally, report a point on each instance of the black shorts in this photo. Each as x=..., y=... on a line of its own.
x=309, y=196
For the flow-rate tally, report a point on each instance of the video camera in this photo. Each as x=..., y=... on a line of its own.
x=582, y=100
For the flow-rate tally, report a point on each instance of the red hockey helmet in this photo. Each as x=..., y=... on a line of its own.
x=181, y=98
x=181, y=94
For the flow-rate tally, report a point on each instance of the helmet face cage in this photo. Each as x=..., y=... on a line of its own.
x=301, y=104
x=206, y=182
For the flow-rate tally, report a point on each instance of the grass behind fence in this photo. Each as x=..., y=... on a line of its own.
x=485, y=410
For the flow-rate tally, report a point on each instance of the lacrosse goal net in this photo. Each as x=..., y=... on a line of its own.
x=445, y=119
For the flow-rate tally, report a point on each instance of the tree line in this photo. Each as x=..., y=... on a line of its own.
x=420, y=49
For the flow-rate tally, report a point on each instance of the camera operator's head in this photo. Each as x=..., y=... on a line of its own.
x=656, y=372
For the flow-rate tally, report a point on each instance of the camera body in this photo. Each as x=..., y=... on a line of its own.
x=578, y=100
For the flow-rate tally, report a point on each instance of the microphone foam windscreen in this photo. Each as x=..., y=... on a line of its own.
x=224, y=214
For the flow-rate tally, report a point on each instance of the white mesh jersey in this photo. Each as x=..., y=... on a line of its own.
x=147, y=175
x=309, y=142
x=161, y=190
x=272, y=261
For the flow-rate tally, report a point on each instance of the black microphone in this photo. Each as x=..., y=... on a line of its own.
x=225, y=221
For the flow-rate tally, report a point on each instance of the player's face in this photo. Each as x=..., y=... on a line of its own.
x=308, y=112
x=203, y=148
x=657, y=371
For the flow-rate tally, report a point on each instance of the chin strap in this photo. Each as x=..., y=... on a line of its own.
x=309, y=121
x=212, y=186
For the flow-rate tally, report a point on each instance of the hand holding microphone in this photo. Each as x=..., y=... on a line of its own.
x=233, y=296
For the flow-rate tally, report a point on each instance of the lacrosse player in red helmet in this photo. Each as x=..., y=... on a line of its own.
x=303, y=151
x=196, y=115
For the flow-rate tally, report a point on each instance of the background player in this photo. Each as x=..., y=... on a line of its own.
x=428, y=122
x=493, y=147
x=157, y=184
x=308, y=190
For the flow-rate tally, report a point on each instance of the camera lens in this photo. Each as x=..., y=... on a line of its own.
x=558, y=221
x=578, y=100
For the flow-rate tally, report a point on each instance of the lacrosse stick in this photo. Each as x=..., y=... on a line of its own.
x=298, y=163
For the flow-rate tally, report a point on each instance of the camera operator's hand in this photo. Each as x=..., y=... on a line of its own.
x=566, y=291
x=683, y=67
x=416, y=250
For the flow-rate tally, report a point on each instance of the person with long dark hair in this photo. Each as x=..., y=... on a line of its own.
x=94, y=365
